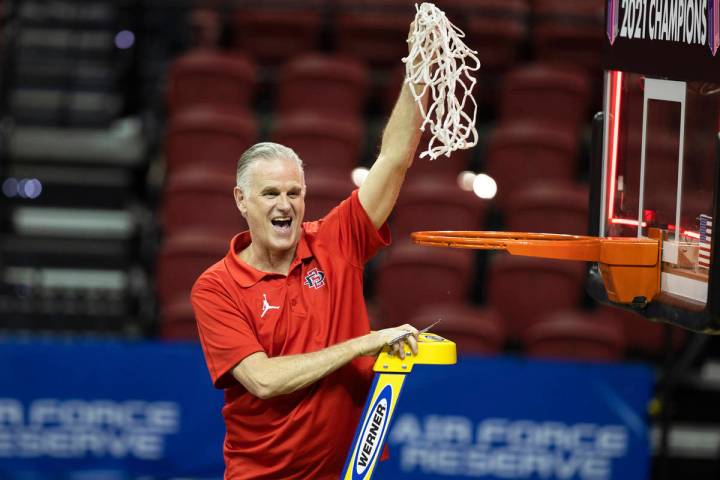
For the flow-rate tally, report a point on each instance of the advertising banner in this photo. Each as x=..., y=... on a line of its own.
x=506, y=418
x=136, y=408
x=115, y=411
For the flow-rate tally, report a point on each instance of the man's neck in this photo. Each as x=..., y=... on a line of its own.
x=267, y=261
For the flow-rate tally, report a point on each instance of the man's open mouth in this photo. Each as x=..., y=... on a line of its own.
x=281, y=225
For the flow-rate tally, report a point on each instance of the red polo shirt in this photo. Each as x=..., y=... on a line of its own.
x=241, y=310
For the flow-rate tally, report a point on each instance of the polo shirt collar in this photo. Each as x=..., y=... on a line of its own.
x=246, y=275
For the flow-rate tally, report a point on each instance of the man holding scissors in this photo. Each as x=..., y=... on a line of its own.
x=282, y=319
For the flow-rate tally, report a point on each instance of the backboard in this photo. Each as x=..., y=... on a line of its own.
x=657, y=173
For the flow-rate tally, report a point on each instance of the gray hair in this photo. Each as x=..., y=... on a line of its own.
x=263, y=151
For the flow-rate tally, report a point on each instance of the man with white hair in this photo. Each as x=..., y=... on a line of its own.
x=282, y=319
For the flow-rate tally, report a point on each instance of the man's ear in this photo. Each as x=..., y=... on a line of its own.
x=240, y=201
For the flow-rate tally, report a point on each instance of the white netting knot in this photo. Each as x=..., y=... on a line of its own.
x=440, y=61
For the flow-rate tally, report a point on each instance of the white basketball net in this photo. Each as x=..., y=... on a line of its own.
x=444, y=64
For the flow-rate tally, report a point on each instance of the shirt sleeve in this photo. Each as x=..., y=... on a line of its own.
x=354, y=232
x=225, y=334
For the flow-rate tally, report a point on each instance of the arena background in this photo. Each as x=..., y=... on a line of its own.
x=121, y=124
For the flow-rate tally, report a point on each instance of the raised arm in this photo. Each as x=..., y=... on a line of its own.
x=380, y=190
x=267, y=377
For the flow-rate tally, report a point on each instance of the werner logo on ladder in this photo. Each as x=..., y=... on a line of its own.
x=391, y=373
x=372, y=432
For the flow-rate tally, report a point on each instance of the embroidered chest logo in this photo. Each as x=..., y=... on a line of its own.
x=267, y=306
x=315, y=278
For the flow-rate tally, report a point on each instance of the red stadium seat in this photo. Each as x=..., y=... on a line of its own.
x=436, y=205
x=320, y=141
x=496, y=29
x=177, y=321
x=211, y=78
x=534, y=93
x=325, y=191
x=326, y=84
x=201, y=199
x=564, y=11
x=373, y=31
x=475, y=331
x=411, y=277
x=525, y=289
x=498, y=43
x=549, y=207
x=274, y=35
x=208, y=139
x=521, y=153
x=205, y=27
x=182, y=259
x=569, y=32
x=575, y=335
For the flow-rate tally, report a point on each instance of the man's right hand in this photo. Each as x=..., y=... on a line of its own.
x=396, y=337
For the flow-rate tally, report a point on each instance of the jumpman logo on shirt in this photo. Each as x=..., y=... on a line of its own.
x=267, y=306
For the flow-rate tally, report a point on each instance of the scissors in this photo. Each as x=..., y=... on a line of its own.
x=405, y=335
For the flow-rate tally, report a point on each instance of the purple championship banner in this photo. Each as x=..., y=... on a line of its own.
x=678, y=39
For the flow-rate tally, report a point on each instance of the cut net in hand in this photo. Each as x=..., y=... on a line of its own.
x=442, y=63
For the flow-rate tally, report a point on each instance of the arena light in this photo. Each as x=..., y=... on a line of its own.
x=614, y=140
x=484, y=186
x=626, y=221
x=359, y=175
x=10, y=187
x=32, y=188
x=465, y=180
x=124, y=39
x=27, y=188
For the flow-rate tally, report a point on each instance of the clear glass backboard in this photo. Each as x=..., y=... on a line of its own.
x=659, y=173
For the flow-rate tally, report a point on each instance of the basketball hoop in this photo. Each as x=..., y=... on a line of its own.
x=441, y=62
x=630, y=266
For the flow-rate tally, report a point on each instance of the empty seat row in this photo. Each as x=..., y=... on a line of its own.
x=521, y=289
x=215, y=139
x=331, y=84
x=519, y=154
x=569, y=334
x=572, y=333
x=197, y=199
x=338, y=85
x=546, y=94
x=522, y=148
x=527, y=299
x=202, y=198
x=576, y=335
x=374, y=31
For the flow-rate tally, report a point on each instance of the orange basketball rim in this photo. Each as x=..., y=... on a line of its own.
x=630, y=267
